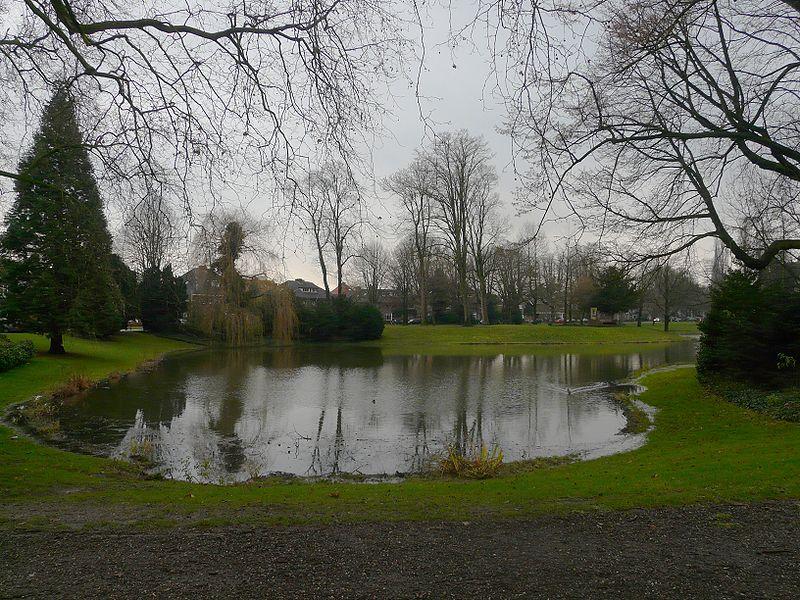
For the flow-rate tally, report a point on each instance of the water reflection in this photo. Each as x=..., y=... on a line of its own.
x=233, y=415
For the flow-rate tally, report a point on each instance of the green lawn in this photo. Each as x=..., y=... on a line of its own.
x=702, y=450
x=455, y=339
x=683, y=327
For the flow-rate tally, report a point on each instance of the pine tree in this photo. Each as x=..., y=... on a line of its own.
x=163, y=299
x=128, y=286
x=55, y=253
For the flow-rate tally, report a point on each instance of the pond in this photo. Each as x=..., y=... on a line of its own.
x=231, y=415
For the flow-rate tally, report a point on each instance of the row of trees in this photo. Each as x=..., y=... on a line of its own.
x=529, y=278
x=454, y=256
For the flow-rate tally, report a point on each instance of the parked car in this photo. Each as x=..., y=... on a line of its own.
x=415, y=321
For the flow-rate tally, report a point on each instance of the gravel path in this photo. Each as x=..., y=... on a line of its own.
x=699, y=552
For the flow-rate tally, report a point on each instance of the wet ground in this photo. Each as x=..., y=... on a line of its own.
x=698, y=552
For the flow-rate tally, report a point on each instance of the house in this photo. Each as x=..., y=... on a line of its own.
x=343, y=290
x=200, y=283
x=305, y=291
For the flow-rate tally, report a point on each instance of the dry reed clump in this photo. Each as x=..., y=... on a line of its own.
x=472, y=462
x=72, y=387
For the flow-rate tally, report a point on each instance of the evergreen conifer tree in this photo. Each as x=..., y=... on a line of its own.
x=163, y=299
x=55, y=253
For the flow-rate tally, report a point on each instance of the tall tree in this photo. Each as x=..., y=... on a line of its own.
x=401, y=273
x=309, y=205
x=149, y=232
x=460, y=164
x=128, y=287
x=163, y=299
x=414, y=186
x=673, y=290
x=342, y=213
x=482, y=232
x=372, y=265
x=55, y=255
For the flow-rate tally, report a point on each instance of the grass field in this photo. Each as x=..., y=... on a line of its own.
x=702, y=450
x=481, y=339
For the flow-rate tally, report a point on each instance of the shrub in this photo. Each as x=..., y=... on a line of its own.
x=783, y=405
x=13, y=354
x=751, y=332
x=340, y=319
x=451, y=317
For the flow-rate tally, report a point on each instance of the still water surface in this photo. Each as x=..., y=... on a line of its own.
x=232, y=415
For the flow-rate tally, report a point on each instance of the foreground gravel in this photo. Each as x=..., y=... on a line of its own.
x=705, y=552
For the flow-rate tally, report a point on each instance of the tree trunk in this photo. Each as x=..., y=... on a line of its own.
x=465, y=304
x=484, y=307
x=339, y=268
x=56, y=343
x=324, y=270
x=423, y=302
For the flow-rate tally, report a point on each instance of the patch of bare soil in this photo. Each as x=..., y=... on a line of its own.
x=748, y=551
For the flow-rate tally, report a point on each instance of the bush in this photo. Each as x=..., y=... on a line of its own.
x=449, y=318
x=340, y=319
x=14, y=354
x=750, y=345
x=751, y=332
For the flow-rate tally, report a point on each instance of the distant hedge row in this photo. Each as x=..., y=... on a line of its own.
x=14, y=354
x=340, y=319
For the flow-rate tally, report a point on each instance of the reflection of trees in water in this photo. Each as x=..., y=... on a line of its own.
x=316, y=461
x=228, y=416
x=337, y=449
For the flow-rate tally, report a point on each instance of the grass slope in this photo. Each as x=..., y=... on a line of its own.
x=702, y=450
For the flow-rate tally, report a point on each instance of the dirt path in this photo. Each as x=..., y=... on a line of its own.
x=708, y=552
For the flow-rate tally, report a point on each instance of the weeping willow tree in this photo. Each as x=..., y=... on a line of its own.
x=238, y=310
x=278, y=314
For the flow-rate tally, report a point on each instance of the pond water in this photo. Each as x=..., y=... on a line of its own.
x=232, y=415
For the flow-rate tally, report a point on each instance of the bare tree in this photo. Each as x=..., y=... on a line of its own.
x=204, y=88
x=671, y=291
x=402, y=274
x=414, y=187
x=510, y=280
x=460, y=166
x=372, y=265
x=483, y=230
x=343, y=214
x=149, y=232
x=309, y=204
x=656, y=132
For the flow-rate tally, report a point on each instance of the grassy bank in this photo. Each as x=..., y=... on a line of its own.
x=455, y=339
x=702, y=450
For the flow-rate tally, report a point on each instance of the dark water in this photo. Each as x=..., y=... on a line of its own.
x=225, y=416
